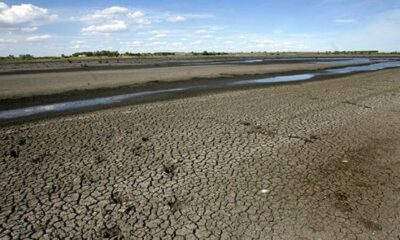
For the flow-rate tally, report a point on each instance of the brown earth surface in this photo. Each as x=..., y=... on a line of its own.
x=88, y=62
x=314, y=160
x=34, y=84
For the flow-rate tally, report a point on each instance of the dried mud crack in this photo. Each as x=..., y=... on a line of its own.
x=317, y=160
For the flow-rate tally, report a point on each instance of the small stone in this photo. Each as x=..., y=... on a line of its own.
x=264, y=191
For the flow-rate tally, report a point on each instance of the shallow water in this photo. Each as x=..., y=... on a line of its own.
x=371, y=67
x=28, y=111
x=322, y=60
x=253, y=60
x=104, y=101
x=319, y=60
x=346, y=61
x=278, y=79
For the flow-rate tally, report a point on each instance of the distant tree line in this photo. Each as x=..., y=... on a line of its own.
x=205, y=53
x=24, y=57
x=148, y=54
x=105, y=53
x=117, y=54
x=354, y=52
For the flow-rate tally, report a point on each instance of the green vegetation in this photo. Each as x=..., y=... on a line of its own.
x=25, y=57
x=109, y=54
x=103, y=53
x=205, y=53
x=115, y=54
x=21, y=57
x=355, y=52
x=148, y=54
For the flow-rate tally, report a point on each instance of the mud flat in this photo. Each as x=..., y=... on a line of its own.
x=74, y=64
x=314, y=160
x=34, y=84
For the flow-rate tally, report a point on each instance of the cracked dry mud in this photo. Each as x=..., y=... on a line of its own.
x=304, y=161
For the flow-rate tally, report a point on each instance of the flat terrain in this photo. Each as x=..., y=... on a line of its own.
x=86, y=62
x=74, y=63
x=315, y=160
x=34, y=84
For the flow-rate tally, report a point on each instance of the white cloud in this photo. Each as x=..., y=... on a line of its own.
x=157, y=43
x=113, y=26
x=136, y=43
x=160, y=33
x=29, y=29
x=196, y=42
x=136, y=14
x=24, y=13
x=177, y=44
x=207, y=36
x=114, y=10
x=38, y=38
x=256, y=42
x=140, y=19
x=144, y=21
x=105, y=14
x=204, y=31
x=7, y=41
x=78, y=44
x=176, y=19
x=135, y=17
x=3, y=6
x=116, y=13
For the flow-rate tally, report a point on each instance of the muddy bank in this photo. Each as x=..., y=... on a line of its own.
x=26, y=85
x=83, y=64
x=15, y=111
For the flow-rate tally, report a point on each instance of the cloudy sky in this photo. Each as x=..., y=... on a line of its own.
x=53, y=27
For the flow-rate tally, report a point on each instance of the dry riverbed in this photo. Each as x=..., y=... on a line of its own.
x=34, y=84
x=314, y=160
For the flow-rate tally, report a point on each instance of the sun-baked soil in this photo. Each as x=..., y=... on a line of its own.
x=315, y=160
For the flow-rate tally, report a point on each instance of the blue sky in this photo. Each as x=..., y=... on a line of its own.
x=50, y=27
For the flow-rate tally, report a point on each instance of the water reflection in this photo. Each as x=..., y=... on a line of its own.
x=74, y=105
x=371, y=67
x=278, y=79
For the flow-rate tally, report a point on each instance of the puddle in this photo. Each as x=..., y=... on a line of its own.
x=73, y=105
x=253, y=60
x=334, y=71
x=278, y=79
x=345, y=61
x=318, y=60
x=371, y=67
x=104, y=101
